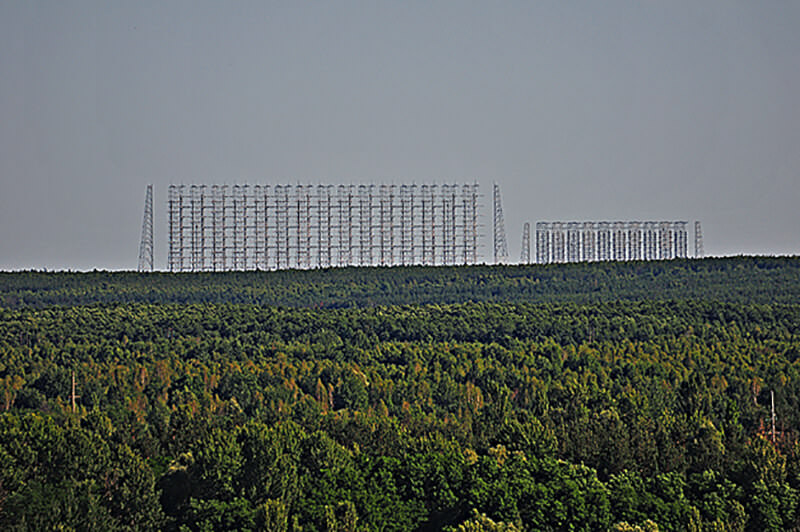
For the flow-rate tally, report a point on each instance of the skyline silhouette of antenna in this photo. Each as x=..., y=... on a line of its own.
x=146, y=244
x=698, y=240
x=500, y=243
x=772, y=400
x=244, y=227
x=525, y=255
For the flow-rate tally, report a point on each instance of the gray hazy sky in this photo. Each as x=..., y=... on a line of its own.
x=597, y=110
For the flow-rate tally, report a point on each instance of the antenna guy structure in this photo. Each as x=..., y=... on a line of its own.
x=146, y=244
x=500, y=243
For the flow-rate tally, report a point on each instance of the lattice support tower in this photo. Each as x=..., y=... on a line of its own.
x=146, y=242
x=525, y=255
x=500, y=243
x=698, y=240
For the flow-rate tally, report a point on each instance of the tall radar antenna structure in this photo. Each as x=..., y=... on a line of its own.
x=277, y=227
x=500, y=244
x=698, y=240
x=525, y=257
x=146, y=244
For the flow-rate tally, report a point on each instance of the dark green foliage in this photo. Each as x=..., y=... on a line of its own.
x=568, y=415
x=735, y=279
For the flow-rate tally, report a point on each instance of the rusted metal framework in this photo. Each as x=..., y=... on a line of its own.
x=276, y=227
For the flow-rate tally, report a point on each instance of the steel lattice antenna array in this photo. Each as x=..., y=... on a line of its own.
x=558, y=242
x=146, y=244
x=278, y=227
x=500, y=244
x=525, y=257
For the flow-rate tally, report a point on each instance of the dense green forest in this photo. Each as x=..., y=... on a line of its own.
x=513, y=398
x=736, y=279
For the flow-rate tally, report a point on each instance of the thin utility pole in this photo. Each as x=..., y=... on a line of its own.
x=772, y=398
x=73, y=396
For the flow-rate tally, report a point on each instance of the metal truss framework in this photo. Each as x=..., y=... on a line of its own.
x=525, y=254
x=558, y=242
x=499, y=227
x=698, y=241
x=276, y=227
x=146, y=243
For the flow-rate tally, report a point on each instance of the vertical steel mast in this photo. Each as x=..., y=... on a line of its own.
x=500, y=244
x=525, y=256
x=698, y=240
x=146, y=244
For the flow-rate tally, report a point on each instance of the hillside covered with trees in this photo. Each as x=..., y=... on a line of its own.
x=518, y=398
x=735, y=279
